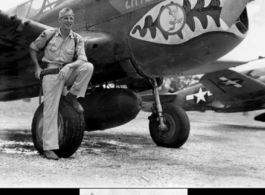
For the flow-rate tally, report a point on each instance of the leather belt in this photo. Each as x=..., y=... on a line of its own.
x=49, y=71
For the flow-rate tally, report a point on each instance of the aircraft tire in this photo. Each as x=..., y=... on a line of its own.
x=71, y=129
x=178, y=127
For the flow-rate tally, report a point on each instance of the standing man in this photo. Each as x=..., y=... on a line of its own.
x=67, y=65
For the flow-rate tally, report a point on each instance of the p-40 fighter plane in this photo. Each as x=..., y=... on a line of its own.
x=224, y=91
x=131, y=43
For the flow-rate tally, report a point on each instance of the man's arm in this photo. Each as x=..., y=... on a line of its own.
x=75, y=64
x=35, y=47
x=34, y=58
x=63, y=72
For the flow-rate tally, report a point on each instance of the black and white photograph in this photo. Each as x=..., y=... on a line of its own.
x=132, y=96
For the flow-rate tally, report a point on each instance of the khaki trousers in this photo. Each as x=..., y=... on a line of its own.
x=53, y=88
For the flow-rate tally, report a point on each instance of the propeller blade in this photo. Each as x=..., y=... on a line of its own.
x=232, y=9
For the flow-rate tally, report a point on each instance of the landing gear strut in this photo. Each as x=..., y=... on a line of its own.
x=162, y=126
x=169, y=125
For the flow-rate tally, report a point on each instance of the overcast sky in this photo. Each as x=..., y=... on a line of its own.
x=252, y=47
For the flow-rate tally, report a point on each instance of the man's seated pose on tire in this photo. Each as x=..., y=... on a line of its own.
x=67, y=65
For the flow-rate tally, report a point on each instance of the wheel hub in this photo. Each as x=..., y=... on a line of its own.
x=167, y=130
x=163, y=127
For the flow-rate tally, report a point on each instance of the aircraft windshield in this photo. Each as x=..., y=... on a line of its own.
x=31, y=8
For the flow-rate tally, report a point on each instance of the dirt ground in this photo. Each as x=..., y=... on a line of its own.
x=223, y=150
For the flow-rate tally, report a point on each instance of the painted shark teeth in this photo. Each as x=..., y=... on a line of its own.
x=156, y=34
x=193, y=3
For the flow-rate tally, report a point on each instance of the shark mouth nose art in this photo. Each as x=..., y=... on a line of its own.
x=175, y=22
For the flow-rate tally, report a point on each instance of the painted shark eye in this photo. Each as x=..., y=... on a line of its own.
x=171, y=19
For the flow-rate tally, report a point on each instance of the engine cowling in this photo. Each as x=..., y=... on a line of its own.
x=109, y=108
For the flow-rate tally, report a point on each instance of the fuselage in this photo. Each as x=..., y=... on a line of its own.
x=136, y=38
x=160, y=37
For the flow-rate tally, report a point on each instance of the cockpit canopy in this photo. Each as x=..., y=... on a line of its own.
x=32, y=8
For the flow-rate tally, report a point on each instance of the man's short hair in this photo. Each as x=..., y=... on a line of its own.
x=66, y=12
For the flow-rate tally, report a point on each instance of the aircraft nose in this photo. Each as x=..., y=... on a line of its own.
x=232, y=9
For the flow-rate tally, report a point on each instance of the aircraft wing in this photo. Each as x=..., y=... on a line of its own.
x=17, y=78
x=231, y=87
x=16, y=34
x=215, y=66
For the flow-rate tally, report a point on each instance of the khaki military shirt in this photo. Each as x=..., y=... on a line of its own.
x=59, y=51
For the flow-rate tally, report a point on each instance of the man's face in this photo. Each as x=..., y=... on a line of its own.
x=66, y=22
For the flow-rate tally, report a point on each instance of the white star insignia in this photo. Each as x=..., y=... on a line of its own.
x=227, y=82
x=200, y=96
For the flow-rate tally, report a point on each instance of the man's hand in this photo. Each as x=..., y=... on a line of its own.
x=63, y=72
x=37, y=72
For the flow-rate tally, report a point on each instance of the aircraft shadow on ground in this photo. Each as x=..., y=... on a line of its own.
x=93, y=142
x=16, y=135
x=16, y=140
